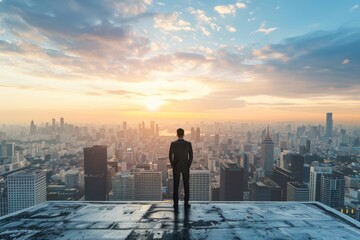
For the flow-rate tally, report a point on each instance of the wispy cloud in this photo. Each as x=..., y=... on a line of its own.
x=230, y=29
x=229, y=9
x=265, y=30
x=354, y=7
x=171, y=22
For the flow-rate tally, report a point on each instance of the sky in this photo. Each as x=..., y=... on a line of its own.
x=108, y=61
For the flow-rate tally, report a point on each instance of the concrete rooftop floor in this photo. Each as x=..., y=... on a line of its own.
x=157, y=220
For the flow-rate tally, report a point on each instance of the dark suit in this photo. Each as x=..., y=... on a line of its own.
x=181, y=157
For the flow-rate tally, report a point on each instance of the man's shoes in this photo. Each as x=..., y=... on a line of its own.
x=187, y=205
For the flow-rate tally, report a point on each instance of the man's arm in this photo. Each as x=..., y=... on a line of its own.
x=190, y=155
x=171, y=154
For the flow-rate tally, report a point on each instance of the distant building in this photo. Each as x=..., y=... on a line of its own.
x=123, y=187
x=214, y=191
x=297, y=192
x=199, y=184
x=316, y=171
x=197, y=135
x=329, y=125
x=282, y=176
x=264, y=190
x=148, y=185
x=95, y=169
x=267, y=154
x=7, y=152
x=72, y=178
x=26, y=189
x=232, y=181
x=333, y=190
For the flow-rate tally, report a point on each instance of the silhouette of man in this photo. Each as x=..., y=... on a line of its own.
x=181, y=157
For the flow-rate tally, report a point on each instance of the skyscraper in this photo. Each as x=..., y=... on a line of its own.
x=232, y=181
x=329, y=125
x=32, y=128
x=197, y=135
x=267, y=154
x=316, y=172
x=95, y=169
x=297, y=191
x=333, y=190
x=62, y=124
x=7, y=152
x=72, y=178
x=148, y=185
x=123, y=187
x=26, y=189
x=199, y=184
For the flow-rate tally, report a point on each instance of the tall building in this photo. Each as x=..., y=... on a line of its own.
x=217, y=140
x=32, y=128
x=148, y=185
x=26, y=189
x=297, y=191
x=297, y=167
x=264, y=190
x=95, y=170
x=123, y=187
x=62, y=124
x=72, y=178
x=197, y=135
x=333, y=190
x=199, y=184
x=192, y=134
x=316, y=171
x=282, y=176
x=232, y=181
x=267, y=154
x=7, y=152
x=329, y=125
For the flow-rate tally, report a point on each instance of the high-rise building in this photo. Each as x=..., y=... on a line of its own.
x=148, y=185
x=192, y=134
x=329, y=125
x=152, y=128
x=264, y=190
x=308, y=146
x=316, y=171
x=197, y=135
x=282, y=176
x=95, y=170
x=217, y=140
x=72, y=178
x=199, y=184
x=267, y=154
x=26, y=189
x=32, y=128
x=297, y=167
x=297, y=191
x=232, y=181
x=62, y=124
x=7, y=152
x=123, y=187
x=333, y=190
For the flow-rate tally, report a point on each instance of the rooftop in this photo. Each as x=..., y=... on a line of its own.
x=157, y=220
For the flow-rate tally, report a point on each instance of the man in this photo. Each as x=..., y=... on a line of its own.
x=181, y=156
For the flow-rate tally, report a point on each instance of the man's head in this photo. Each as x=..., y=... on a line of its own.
x=180, y=132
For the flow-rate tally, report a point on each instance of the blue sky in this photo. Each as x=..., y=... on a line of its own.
x=181, y=59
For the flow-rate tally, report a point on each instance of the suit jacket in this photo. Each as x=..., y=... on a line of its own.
x=180, y=154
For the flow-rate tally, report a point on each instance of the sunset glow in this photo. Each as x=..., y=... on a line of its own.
x=192, y=60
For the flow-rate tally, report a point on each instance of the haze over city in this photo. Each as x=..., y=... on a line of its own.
x=250, y=61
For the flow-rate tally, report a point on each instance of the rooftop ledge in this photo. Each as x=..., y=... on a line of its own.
x=157, y=220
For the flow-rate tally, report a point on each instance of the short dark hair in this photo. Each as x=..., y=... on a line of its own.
x=180, y=132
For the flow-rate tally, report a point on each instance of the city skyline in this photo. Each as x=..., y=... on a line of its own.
x=251, y=61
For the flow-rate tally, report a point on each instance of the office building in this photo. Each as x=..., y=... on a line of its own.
x=333, y=190
x=123, y=187
x=147, y=185
x=264, y=190
x=25, y=189
x=267, y=154
x=72, y=178
x=329, y=125
x=282, y=176
x=297, y=191
x=232, y=181
x=95, y=170
x=316, y=171
x=199, y=184
x=7, y=152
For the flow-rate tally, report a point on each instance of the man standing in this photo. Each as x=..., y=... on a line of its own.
x=181, y=156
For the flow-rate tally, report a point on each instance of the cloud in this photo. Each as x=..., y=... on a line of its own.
x=171, y=22
x=200, y=15
x=265, y=30
x=345, y=61
x=354, y=7
x=229, y=9
x=230, y=29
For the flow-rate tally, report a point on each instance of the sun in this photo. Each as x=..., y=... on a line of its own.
x=153, y=104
